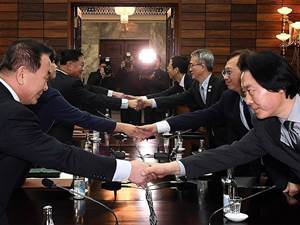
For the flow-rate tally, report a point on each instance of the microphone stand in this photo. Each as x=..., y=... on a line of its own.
x=166, y=156
x=73, y=192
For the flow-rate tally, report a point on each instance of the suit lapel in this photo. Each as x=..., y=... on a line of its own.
x=5, y=92
x=210, y=88
x=273, y=129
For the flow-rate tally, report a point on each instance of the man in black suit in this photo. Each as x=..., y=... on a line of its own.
x=155, y=80
x=177, y=71
x=52, y=106
x=68, y=83
x=205, y=91
x=24, y=72
x=271, y=89
x=103, y=76
x=229, y=109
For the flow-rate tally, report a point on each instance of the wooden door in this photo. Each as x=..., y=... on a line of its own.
x=116, y=50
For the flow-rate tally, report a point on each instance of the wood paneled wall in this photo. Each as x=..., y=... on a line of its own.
x=220, y=25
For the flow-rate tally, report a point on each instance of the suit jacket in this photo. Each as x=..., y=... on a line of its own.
x=227, y=110
x=22, y=143
x=263, y=139
x=193, y=100
x=74, y=92
x=95, y=78
x=53, y=107
x=192, y=97
x=175, y=88
x=159, y=82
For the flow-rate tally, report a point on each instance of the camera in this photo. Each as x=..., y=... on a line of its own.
x=128, y=61
x=107, y=68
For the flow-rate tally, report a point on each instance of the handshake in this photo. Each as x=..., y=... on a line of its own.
x=137, y=132
x=142, y=173
x=138, y=102
x=134, y=102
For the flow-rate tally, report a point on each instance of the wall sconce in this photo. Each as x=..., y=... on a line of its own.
x=292, y=38
x=124, y=12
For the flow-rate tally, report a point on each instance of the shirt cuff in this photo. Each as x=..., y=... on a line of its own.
x=153, y=103
x=144, y=97
x=123, y=170
x=124, y=104
x=162, y=127
x=110, y=93
x=181, y=168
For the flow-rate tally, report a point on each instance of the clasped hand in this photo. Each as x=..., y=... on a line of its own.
x=142, y=173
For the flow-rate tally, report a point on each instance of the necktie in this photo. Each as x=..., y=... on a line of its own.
x=289, y=125
x=247, y=115
x=202, y=94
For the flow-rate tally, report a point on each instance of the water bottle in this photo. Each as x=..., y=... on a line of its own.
x=95, y=142
x=79, y=187
x=47, y=215
x=229, y=190
x=166, y=143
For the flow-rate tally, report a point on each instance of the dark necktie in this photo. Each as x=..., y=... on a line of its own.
x=202, y=94
x=289, y=125
x=247, y=114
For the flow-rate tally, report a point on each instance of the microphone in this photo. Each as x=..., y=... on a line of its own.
x=243, y=199
x=48, y=183
x=103, y=115
x=165, y=156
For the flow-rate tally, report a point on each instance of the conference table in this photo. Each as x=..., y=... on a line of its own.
x=174, y=201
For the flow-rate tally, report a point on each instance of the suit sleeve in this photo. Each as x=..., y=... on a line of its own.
x=96, y=89
x=65, y=112
x=170, y=91
x=97, y=101
x=161, y=82
x=171, y=101
x=26, y=141
x=224, y=157
x=196, y=119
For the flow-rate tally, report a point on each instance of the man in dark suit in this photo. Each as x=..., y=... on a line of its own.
x=155, y=81
x=229, y=109
x=205, y=91
x=52, y=106
x=271, y=89
x=68, y=83
x=24, y=72
x=177, y=71
x=103, y=76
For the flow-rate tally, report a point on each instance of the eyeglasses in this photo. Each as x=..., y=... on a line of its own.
x=226, y=72
x=193, y=65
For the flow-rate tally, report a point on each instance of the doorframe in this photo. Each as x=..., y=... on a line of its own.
x=72, y=4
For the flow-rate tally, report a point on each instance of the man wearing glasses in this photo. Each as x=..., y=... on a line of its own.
x=230, y=109
x=205, y=91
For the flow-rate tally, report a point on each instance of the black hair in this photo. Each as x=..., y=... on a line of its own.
x=272, y=72
x=26, y=53
x=69, y=55
x=242, y=53
x=180, y=62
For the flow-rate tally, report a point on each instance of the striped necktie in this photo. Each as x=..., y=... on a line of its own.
x=295, y=139
x=202, y=94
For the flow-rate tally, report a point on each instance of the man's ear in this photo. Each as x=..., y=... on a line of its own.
x=20, y=73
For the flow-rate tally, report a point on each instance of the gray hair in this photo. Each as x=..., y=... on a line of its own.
x=204, y=56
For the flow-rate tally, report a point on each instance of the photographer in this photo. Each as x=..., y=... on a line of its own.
x=103, y=76
x=128, y=82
